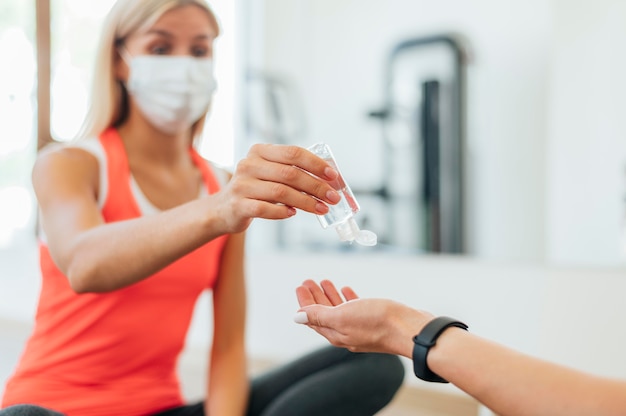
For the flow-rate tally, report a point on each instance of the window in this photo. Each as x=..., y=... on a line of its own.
x=17, y=118
x=75, y=28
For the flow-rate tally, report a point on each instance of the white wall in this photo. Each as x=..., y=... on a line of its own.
x=334, y=50
x=587, y=151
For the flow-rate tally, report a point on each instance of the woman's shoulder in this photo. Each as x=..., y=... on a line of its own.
x=68, y=155
x=90, y=145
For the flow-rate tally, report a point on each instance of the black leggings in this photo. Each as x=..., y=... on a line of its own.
x=330, y=381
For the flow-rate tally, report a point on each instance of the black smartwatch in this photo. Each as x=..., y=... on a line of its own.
x=425, y=340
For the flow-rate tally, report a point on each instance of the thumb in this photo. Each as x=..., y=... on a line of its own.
x=310, y=315
x=301, y=317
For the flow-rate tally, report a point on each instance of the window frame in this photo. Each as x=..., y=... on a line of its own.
x=43, y=46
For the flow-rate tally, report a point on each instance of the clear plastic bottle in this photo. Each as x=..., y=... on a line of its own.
x=341, y=215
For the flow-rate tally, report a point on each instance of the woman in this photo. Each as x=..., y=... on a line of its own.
x=136, y=225
x=504, y=380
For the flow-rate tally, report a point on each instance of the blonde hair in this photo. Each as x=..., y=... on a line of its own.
x=109, y=98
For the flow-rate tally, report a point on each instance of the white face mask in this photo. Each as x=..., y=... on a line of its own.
x=172, y=92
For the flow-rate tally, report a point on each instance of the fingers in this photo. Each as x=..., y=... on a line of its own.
x=311, y=296
x=273, y=181
x=297, y=178
x=301, y=317
x=288, y=175
x=348, y=293
x=295, y=156
x=312, y=316
x=317, y=293
x=254, y=208
x=305, y=297
x=325, y=293
x=268, y=193
x=323, y=320
x=331, y=292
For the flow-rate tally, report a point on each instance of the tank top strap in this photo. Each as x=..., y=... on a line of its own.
x=120, y=203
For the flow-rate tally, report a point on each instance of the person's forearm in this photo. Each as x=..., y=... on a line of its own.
x=228, y=386
x=116, y=255
x=508, y=382
x=511, y=383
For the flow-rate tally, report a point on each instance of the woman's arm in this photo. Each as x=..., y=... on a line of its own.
x=228, y=378
x=99, y=257
x=511, y=383
x=508, y=382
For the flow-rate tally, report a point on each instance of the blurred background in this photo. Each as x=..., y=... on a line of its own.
x=484, y=128
x=479, y=131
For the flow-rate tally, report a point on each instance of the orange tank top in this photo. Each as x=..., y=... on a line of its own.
x=114, y=353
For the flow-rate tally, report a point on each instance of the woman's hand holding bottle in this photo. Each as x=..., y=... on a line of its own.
x=272, y=181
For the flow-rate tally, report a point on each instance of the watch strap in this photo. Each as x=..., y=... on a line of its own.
x=425, y=340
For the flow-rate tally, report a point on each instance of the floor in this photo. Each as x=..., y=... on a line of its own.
x=12, y=338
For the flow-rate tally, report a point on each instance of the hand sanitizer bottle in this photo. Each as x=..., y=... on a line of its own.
x=341, y=215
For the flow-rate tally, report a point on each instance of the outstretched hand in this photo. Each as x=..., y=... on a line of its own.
x=360, y=325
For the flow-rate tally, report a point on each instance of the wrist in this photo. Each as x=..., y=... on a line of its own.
x=213, y=216
x=452, y=343
x=426, y=340
x=406, y=323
